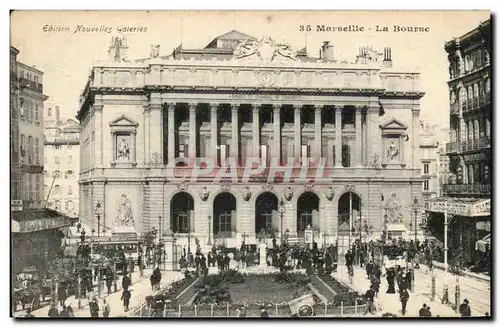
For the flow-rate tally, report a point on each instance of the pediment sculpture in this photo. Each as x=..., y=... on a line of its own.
x=155, y=51
x=266, y=49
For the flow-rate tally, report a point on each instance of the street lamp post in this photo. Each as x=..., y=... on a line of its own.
x=282, y=210
x=445, y=284
x=415, y=207
x=159, y=239
x=98, y=216
x=189, y=239
x=209, y=242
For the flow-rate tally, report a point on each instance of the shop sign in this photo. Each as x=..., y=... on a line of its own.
x=34, y=225
x=308, y=235
x=16, y=205
x=483, y=225
x=453, y=208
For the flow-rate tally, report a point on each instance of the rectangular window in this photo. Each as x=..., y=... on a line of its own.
x=57, y=160
x=426, y=168
x=30, y=187
x=38, y=185
x=225, y=222
x=183, y=150
x=70, y=190
x=426, y=185
x=224, y=153
x=37, y=118
x=57, y=147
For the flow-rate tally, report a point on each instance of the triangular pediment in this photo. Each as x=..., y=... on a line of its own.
x=393, y=123
x=123, y=120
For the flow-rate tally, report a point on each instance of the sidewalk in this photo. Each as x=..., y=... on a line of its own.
x=390, y=302
x=477, y=291
x=141, y=287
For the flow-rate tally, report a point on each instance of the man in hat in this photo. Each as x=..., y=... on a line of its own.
x=465, y=309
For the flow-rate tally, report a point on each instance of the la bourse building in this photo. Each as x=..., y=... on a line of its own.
x=325, y=137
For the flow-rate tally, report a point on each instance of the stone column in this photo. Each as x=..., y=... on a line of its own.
x=276, y=151
x=99, y=149
x=298, y=136
x=359, y=142
x=192, y=131
x=155, y=128
x=213, y=132
x=317, y=132
x=338, y=137
x=171, y=132
x=374, y=138
x=234, y=132
x=256, y=130
x=416, y=134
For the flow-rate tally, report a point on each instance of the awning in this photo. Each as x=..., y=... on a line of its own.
x=468, y=207
x=483, y=243
x=34, y=220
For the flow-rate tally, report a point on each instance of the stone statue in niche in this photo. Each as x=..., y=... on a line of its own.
x=329, y=194
x=124, y=218
x=155, y=51
x=393, y=151
x=247, y=194
x=204, y=194
x=123, y=149
x=374, y=161
x=288, y=193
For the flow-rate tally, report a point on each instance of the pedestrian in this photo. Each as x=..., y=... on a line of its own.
x=126, y=299
x=370, y=294
x=465, y=309
x=64, y=312
x=140, y=265
x=423, y=311
x=94, y=308
x=61, y=295
x=403, y=296
x=29, y=314
x=105, y=309
x=263, y=312
x=71, y=314
x=53, y=311
x=429, y=313
x=126, y=282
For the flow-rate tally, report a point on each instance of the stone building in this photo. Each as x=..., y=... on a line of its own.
x=265, y=138
x=429, y=144
x=35, y=236
x=62, y=159
x=467, y=195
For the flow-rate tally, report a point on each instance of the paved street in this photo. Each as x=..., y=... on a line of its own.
x=476, y=290
x=140, y=288
x=390, y=302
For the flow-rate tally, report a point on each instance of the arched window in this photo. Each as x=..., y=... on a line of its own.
x=488, y=85
x=463, y=95
x=57, y=174
x=58, y=205
x=49, y=112
x=70, y=190
x=476, y=91
x=57, y=189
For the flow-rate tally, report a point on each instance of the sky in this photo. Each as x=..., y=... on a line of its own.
x=66, y=57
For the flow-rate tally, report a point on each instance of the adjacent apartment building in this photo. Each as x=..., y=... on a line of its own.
x=61, y=158
x=467, y=195
x=35, y=230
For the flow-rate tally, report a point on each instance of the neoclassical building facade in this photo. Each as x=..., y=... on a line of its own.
x=247, y=135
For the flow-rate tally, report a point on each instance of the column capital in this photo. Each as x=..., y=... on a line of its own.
x=276, y=107
x=213, y=107
x=234, y=107
x=255, y=108
x=359, y=109
x=297, y=107
x=318, y=108
x=338, y=110
x=415, y=111
x=171, y=106
x=98, y=107
x=192, y=107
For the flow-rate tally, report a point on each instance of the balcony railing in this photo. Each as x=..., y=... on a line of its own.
x=467, y=189
x=477, y=144
x=451, y=147
x=30, y=85
x=455, y=109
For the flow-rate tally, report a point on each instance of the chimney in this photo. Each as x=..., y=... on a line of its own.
x=327, y=51
x=387, y=58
